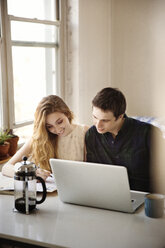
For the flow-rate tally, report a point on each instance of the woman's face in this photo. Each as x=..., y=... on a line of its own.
x=58, y=123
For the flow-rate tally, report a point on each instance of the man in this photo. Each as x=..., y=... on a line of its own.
x=116, y=139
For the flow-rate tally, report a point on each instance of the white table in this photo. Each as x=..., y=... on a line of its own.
x=56, y=224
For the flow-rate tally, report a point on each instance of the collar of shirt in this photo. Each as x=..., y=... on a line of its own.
x=124, y=129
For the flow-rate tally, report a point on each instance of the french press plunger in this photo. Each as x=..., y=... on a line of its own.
x=25, y=187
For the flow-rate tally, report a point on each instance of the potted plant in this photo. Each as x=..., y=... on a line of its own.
x=4, y=145
x=8, y=143
x=13, y=140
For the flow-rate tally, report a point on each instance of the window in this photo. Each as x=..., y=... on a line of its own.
x=29, y=59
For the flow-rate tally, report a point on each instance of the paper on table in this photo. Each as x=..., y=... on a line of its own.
x=50, y=185
x=7, y=184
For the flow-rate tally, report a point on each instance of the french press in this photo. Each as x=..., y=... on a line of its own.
x=25, y=180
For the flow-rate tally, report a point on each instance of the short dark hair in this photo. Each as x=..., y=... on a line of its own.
x=110, y=99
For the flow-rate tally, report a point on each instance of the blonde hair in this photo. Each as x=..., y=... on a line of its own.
x=44, y=143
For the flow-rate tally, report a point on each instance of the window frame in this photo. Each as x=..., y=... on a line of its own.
x=6, y=75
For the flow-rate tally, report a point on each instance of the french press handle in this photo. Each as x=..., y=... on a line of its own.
x=44, y=193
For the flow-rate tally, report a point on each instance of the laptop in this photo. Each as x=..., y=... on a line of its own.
x=95, y=185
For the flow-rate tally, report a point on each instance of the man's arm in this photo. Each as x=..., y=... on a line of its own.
x=90, y=147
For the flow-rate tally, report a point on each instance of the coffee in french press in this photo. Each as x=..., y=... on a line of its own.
x=25, y=179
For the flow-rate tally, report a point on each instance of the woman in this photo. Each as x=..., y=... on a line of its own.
x=54, y=136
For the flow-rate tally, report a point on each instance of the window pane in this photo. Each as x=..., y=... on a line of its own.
x=24, y=133
x=33, y=32
x=40, y=9
x=34, y=77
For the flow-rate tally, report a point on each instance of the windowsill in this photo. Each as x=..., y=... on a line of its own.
x=21, y=142
x=5, y=160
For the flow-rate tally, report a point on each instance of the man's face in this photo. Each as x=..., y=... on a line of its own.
x=106, y=121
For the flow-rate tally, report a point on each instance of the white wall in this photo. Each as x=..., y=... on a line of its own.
x=120, y=43
x=94, y=52
x=88, y=64
x=138, y=53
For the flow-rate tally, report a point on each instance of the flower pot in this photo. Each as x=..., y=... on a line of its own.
x=13, y=145
x=4, y=149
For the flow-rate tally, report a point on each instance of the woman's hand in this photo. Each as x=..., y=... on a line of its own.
x=42, y=173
